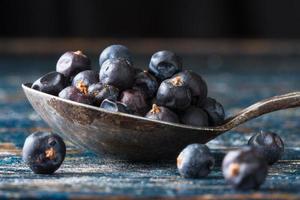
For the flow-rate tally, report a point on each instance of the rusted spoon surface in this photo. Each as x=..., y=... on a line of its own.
x=132, y=137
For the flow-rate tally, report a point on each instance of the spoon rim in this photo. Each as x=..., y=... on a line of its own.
x=26, y=86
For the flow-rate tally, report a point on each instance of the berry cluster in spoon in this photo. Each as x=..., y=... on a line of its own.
x=165, y=91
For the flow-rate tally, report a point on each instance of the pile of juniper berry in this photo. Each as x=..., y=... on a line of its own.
x=163, y=92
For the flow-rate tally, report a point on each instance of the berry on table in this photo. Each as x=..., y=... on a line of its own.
x=195, y=161
x=269, y=145
x=244, y=169
x=44, y=152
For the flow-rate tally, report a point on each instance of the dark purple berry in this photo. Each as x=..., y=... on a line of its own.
x=137, y=70
x=84, y=79
x=164, y=64
x=173, y=94
x=214, y=110
x=195, y=161
x=44, y=152
x=51, y=83
x=136, y=101
x=244, y=169
x=269, y=145
x=74, y=94
x=115, y=106
x=100, y=92
x=117, y=72
x=147, y=83
x=196, y=84
x=162, y=113
x=115, y=51
x=194, y=116
x=71, y=63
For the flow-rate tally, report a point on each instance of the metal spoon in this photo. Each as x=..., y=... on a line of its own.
x=130, y=137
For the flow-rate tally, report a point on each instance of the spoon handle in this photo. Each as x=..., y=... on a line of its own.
x=289, y=100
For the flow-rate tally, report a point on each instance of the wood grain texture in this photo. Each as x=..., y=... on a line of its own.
x=85, y=176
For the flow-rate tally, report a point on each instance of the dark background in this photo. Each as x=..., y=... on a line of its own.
x=138, y=18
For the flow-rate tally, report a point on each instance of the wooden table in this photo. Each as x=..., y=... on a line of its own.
x=237, y=80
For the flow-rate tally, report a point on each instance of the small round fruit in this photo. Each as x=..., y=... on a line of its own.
x=135, y=100
x=74, y=94
x=195, y=161
x=117, y=72
x=269, y=145
x=173, y=94
x=195, y=117
x=164, y=64
x=196, y=84
x=137, y=70
x=244, y=169
x=115, y=106
x=147, y=83
x=51, y=83
x=215, y=111
x=115, y=51
x=162, y=113
x=71, y=63
x=84, y=79
x=100, y=92
x=44, y=152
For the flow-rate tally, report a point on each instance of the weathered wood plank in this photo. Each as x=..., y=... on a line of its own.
x=84, y=176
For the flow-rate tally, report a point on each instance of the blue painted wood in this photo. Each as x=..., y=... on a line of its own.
x=235, y=81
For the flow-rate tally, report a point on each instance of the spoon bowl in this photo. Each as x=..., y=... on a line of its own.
x=133, y=138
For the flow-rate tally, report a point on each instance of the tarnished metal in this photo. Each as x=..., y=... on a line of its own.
x=132, y=137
